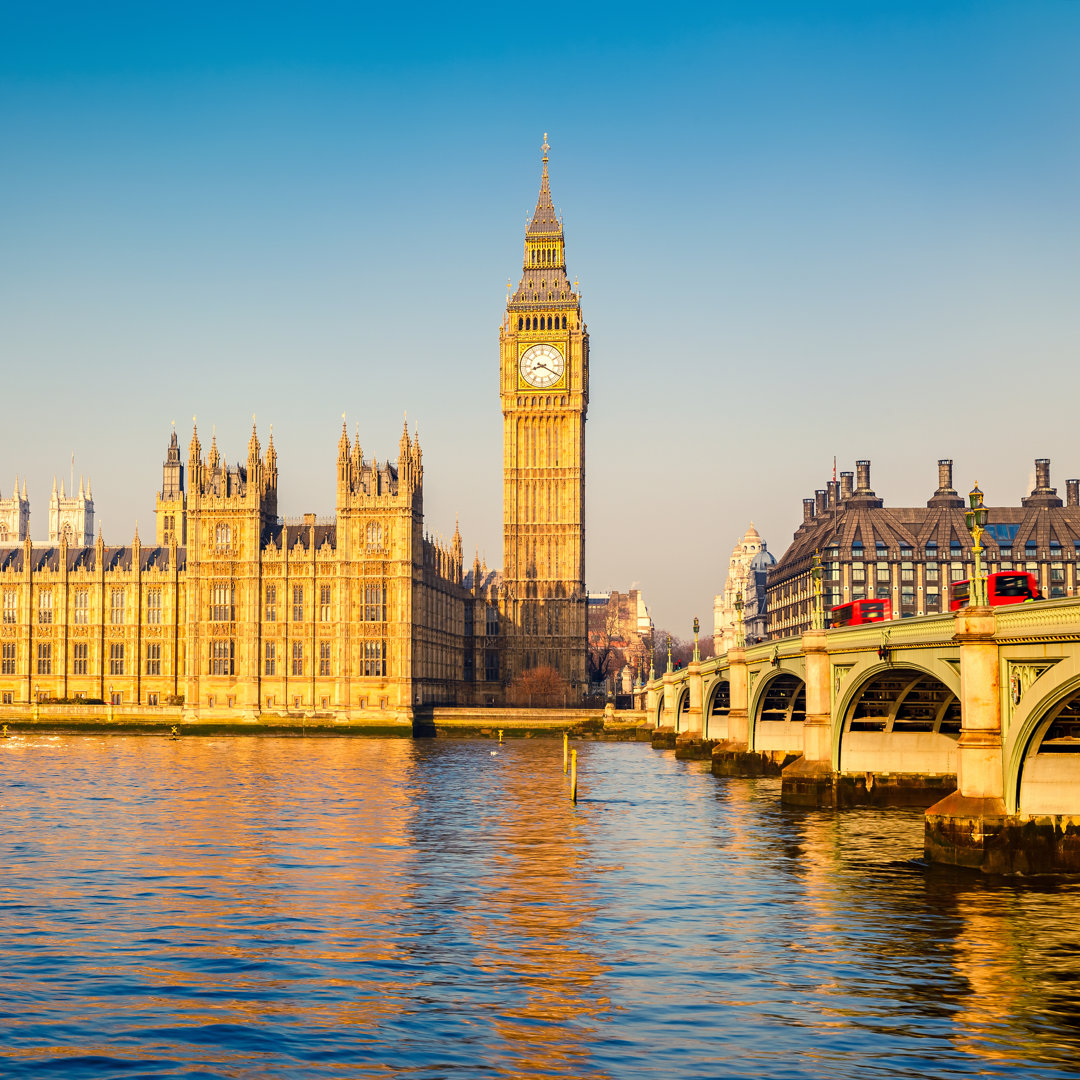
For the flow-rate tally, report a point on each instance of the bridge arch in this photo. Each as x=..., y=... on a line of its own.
x=714, y=718
x=777, y=713
x=897, y=718
x=682, y=707
x=1042, y=746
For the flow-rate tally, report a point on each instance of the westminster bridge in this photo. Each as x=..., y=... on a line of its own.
x=974, y=714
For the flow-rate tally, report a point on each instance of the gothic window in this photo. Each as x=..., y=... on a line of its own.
x=298, y=658
x=564, y=317
x=116, y=606
x=491, y=665
x=3, y=532
x=66, y=535
x=45, y=609
x=82, y=607
x=521, y=326
x=374, y=659
x=491, y=626
x=271, y=604
x=222, y=536
x=44, y=658
x=222, y=602
x=324, y=657
x=7, y=666
x=222, y=658
x=79, y=658
x=374, y=603
x=549, y=322
x=116, y=658
x=153, y=607
x=324, y=603
x=298, y=603
x=374, y=536
x=153, y=659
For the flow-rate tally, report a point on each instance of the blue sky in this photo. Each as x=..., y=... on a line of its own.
x=801, y=230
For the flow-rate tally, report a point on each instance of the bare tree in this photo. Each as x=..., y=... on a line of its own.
x=539, y=687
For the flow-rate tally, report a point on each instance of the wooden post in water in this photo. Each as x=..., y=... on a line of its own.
x=573, y=777
x=565, y=752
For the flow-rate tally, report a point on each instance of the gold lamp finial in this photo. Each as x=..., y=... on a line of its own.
x=545, y=148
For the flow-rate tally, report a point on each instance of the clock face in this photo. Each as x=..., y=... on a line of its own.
x=542, y=365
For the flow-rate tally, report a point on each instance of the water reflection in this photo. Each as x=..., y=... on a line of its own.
x=324, y=907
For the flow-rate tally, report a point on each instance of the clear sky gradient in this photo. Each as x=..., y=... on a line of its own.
x=801, y=230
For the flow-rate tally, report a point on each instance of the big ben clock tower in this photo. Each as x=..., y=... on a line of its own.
x=544, y=387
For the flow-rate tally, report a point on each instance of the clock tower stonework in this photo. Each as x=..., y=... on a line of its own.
x=544, y=389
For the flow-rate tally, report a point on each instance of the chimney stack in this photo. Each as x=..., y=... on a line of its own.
x=846, y=485
x=808, y=511
x=1043, y=494
x=946, y=493
x=1042, y=474
x=1072, y=492
x=834, y=493
x=862, y=478
x=821, y=500
x=863, y=495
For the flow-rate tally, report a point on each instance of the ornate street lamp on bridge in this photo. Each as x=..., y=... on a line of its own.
x=975, y=519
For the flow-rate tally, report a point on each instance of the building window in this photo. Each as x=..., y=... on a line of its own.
x=11, y=609
x=7, y=698
x=297, y=658
x=956, y=571
x=298, y=603
x=858, y=571
x=271, y=603
x=7, y=664
x=374, y=536
x=883, y=574
x=116, y=658
x=151, y=699
x=491, y=665
x=470, y=666
x=222, y=536
x=44, y=614
x=80, y=663
x=374, y=603
x=324, y=657
x=116, y=606
x=907, y=571
x=222, y=658
x=270, y=664
x=153, y=607
x=116, y=698
x=222, y=602
x=1057, y=573
x=374, y=659
x=82, y=607
x=324, y=603
x=492, y=620
x=932, y=571
x=153, y=659
x=469, y=616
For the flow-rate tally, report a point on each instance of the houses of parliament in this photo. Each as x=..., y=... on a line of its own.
x=230, y=608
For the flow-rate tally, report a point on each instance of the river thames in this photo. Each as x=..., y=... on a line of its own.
x=258, y=907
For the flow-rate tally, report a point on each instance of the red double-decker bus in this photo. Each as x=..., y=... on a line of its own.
x=1004, y=587
x=861, y=611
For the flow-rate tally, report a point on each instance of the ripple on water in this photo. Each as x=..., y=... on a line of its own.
x=329, y=908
